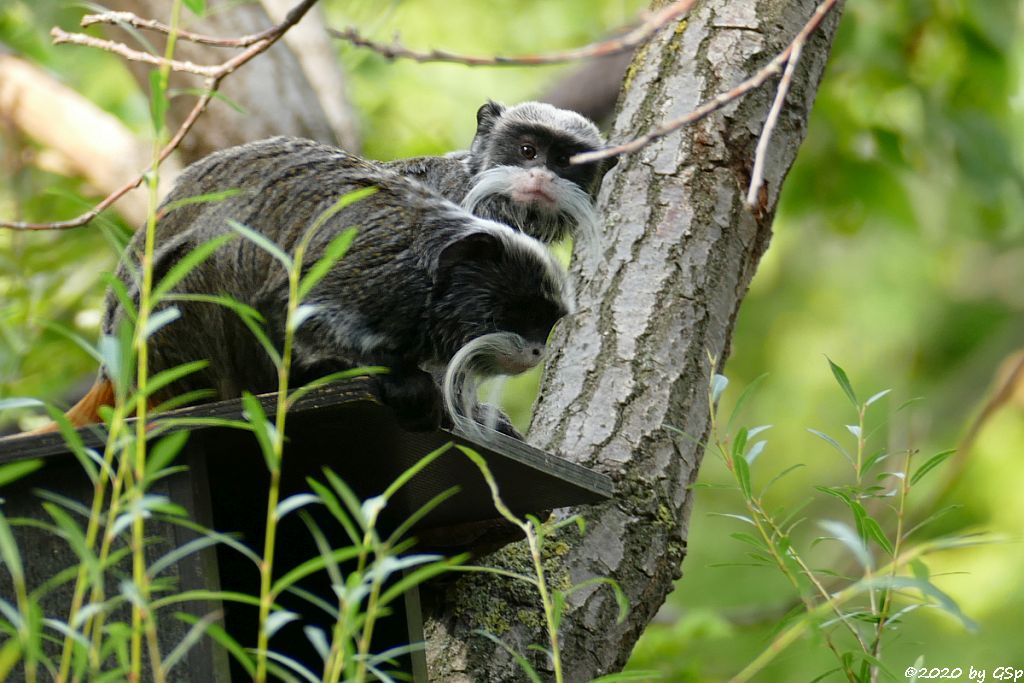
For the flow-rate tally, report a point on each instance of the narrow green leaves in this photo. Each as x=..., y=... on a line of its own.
x=844, y=382
x=930, y=464
x=188, y=263
x=333, y=253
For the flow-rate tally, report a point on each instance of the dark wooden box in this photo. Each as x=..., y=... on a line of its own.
x=342, y=427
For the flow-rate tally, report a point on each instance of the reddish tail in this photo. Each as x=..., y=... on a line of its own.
x=87, y=410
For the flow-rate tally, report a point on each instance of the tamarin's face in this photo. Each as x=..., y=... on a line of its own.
x=543, y=157
x=523, y=175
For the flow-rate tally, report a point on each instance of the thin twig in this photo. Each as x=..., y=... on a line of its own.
x=61, y=36
x=213, y=80
x=133, y=20
x=651, y=25
x=757, y=174
x=715, y=103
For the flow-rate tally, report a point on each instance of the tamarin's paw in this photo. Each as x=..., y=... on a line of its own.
x=414, y=398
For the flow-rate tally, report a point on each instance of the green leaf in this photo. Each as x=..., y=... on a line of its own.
x=620, y=595
x=419, y=576
x=931, y=464
x=779, y=476
x=743, y=475
x=186, y=596
x=164, y=451
x=874, y=531
x=929, y=589
x=9, y=553
x=877, y=396
x=754, y=451
x=263, y=242
x=294, y=502
x=411, y=472
x=523, y=663
x=15, y=403
x=333, y=505
x=312, y=566
x=849, y=538
x=832, y=442
x=824, y=675
x=262, y=428
x=742, y=518
x=191, y=638
x=411, y=520
x=10, y=655
x=75, y=338
x=160, y=319
x=115, y=285
x=749, y=540
x=172, y=557
x=343, y=201
x=165, y=377
x=333, y=253
x=934, y=516
x=335, y=377
x=347, y=496
x=243, y=310
x=197, y=7
x=748, y=391
x=871, y=461
x=844, y=382
x=189, y=262
x=718, y=385
x=157, y=101
x=739, y=444
x=16, y=470
x=208, y=198
x=301, y=315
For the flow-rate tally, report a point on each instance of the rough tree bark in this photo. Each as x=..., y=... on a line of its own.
x=679, y=253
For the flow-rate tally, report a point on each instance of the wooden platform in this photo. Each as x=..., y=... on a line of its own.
x=342, y=427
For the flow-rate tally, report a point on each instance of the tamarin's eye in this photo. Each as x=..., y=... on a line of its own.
x=562, y=160
x=528, y=151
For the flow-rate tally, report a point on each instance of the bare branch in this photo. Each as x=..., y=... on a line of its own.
x=130, y=19
x=216, y=75
x=757, y=174
x=714, y=104
x=651, y=25
x=61, y=36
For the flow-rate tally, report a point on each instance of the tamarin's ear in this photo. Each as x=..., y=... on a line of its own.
x=486, y=118
x=487, y=115
x=476, y=247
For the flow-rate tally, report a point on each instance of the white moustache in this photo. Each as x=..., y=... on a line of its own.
x=558, y=197
x=498, y=353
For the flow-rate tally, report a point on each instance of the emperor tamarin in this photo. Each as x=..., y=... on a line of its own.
x=422, y=282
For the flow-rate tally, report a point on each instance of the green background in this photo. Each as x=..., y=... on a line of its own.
x=898, y=253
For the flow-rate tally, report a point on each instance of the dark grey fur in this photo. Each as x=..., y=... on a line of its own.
x=556, y=134
x=421, y=279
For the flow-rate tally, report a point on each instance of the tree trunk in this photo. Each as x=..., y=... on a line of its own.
x=680, y=250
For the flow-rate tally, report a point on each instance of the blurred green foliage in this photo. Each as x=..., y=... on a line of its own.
x=898, y=251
